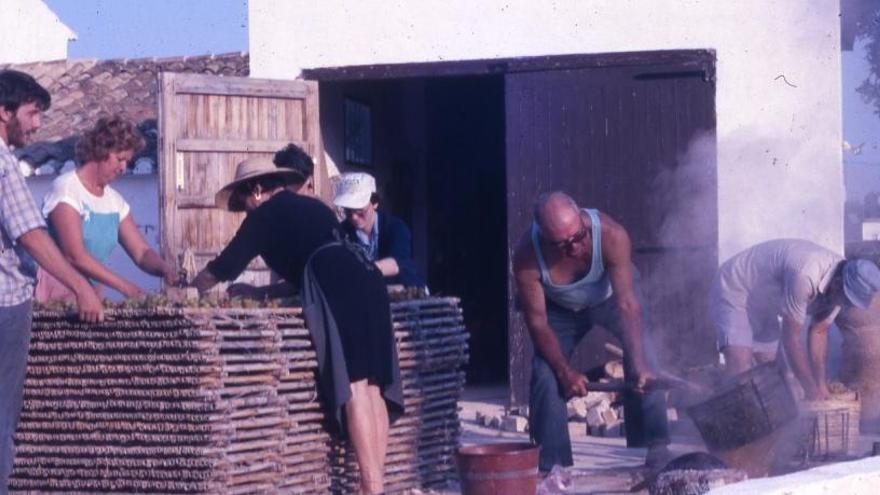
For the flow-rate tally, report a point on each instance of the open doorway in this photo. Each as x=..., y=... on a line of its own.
x=467, y=219
x=438, y=157
x=469, y=145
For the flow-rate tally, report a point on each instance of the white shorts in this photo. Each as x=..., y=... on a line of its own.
x=755, y=328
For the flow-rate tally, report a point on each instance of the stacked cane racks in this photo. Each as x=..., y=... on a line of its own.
x=222, y=400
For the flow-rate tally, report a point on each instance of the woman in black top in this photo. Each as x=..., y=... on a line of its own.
x=298, y=235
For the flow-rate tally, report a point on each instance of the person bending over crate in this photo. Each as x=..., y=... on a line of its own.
x=769, y=291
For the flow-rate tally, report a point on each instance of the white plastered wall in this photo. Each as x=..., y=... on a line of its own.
x=778, y=94
x=31, y=32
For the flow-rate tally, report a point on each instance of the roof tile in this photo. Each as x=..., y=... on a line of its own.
x=83, y=90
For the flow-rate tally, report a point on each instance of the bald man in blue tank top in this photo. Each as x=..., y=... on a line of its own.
x=573, y=269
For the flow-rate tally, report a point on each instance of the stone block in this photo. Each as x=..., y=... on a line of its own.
x=577, y=408
x=614, y=429
x=480, y=418
x=594, y=418
x=594, y=414
x=516, y=424
x=494, y=421
x=614, y=369
x=593, y=398
x=609, y=416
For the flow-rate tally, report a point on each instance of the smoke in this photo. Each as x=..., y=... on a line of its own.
x=681, y=260
x=772, y=187
x=684, y=196
x=777, y=188
x=768, y=187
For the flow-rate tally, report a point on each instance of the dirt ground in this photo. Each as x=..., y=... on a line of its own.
x=602, y=465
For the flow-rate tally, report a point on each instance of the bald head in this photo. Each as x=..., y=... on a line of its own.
x=556, y=213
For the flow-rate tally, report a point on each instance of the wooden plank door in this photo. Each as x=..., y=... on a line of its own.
x=207, y=125
x=618, y=139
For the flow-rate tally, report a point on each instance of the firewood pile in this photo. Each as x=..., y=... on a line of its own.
x=602, y=411
x=209, y=400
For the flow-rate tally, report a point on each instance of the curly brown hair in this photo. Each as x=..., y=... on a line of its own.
x=109, y=134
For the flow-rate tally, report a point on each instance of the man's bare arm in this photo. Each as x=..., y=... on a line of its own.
x=817, y=341
x=527, y=275
x=797, y=357
x=617, y=255
x=38, y=243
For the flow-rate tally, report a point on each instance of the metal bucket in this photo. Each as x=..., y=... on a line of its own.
x=498, y=469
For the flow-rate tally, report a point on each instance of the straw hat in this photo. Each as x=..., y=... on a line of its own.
x=251, y=168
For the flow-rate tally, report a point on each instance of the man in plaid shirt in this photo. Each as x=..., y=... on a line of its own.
x=22, y=100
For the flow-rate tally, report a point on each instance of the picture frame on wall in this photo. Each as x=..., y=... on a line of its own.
x=358, y=133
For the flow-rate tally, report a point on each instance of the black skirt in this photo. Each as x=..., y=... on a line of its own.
x=359, y=303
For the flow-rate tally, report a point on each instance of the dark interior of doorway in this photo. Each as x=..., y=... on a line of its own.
x=439, y=158
x=467, y=218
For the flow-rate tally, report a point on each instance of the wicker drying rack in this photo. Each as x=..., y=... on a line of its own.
x=222, y=400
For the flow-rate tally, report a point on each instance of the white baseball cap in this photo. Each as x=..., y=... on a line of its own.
x=353, y=190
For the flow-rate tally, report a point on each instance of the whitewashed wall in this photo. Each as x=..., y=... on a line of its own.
x=779, y=83
x=31, y=32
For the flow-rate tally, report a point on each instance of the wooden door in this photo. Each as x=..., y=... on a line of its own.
x=207, y=125
x=617, y=139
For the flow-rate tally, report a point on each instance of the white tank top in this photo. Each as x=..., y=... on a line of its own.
x=592, y=289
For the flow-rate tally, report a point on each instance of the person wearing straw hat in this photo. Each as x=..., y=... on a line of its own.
x=386, y=238
x=345, y=303
x=768, y=292
x=294, y=158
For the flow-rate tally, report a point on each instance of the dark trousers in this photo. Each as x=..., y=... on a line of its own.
x=15, y=338
x=645, y=415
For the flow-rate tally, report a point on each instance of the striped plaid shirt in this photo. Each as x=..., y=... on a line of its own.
x=18, y=215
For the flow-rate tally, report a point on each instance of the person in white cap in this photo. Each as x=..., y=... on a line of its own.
x=386, y=238
x=768, y=292
x=344, y=302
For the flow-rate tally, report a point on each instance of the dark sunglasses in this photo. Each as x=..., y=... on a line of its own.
x=569, y=243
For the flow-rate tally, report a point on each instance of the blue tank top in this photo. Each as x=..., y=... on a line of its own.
x=592, y=289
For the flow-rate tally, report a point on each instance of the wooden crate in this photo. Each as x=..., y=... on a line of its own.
x=830, y=428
